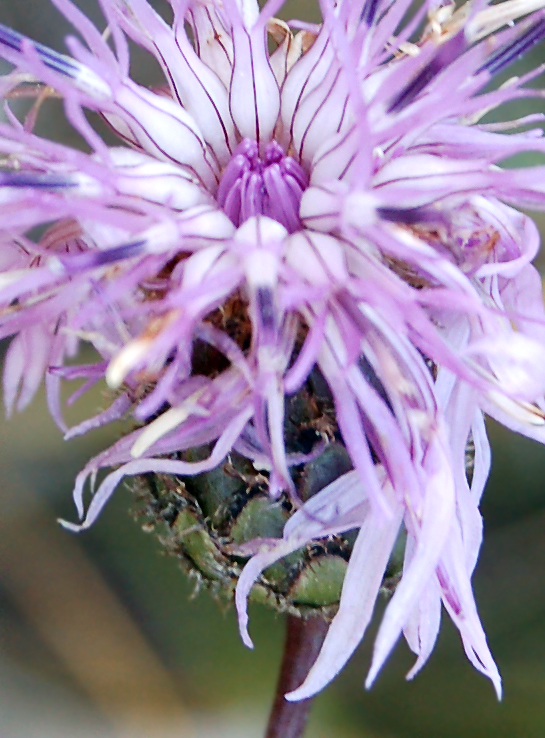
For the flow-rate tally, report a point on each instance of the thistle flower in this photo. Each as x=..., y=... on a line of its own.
x=324, y=225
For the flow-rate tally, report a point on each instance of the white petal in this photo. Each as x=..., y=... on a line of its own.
x=163, y=128
x=362, y=582
x=254, y=98
x=166, y=422
x=437, y=516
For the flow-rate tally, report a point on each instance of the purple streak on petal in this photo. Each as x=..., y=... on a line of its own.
x=52, y=59
x=94, y=259
x=369, y=11
x=515, y=50
x=408, y=216
x=37, y=180
x=446, y=53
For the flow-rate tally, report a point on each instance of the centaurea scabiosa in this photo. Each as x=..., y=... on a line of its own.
x=303, y=245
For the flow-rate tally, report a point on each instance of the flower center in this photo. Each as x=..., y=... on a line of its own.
x=271, y=185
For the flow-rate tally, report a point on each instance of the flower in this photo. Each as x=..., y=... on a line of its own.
x=329, y=211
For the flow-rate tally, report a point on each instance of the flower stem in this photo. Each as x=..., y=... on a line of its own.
x=304, y=639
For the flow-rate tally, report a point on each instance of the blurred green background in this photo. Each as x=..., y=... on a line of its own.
x=100, y=634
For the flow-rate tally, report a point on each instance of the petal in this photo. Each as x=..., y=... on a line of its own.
x=254, y=98
x=435, y=523
x=361, y=585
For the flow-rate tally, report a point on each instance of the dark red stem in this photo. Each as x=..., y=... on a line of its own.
x=304, y=639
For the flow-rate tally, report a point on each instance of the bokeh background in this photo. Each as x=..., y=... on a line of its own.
x=102, y=635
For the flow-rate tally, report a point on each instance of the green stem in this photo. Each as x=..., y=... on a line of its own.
x=304, y=639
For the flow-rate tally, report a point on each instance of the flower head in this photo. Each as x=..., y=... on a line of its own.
x=324, y=220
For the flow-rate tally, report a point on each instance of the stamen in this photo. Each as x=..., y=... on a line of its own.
x=271, y=185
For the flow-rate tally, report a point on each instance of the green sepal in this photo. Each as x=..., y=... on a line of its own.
x=320, y=582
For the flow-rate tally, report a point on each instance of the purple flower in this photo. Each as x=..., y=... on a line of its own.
x=335, y=205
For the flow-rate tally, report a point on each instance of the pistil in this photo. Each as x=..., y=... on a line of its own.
x=271, y=184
